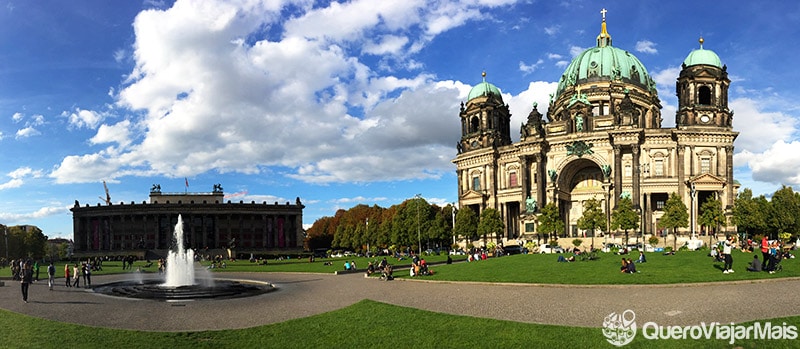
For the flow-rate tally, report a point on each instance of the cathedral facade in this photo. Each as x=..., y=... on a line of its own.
x=602, y=138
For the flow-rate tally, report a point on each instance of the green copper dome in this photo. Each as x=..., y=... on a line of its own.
x=605, y=63
x=702, y=56
x=484, y=89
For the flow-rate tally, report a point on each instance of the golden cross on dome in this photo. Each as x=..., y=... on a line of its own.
x=603, y=11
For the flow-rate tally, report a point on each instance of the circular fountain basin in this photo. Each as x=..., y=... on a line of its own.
x=155, y=290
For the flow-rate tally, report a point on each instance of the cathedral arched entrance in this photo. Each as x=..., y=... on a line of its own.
x=580, y=180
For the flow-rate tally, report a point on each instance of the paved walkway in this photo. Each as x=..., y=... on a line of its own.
x=301, y=295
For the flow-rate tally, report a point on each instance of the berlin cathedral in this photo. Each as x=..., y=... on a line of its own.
x=602, y=138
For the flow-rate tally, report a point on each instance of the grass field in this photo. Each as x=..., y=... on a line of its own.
x=369, y=324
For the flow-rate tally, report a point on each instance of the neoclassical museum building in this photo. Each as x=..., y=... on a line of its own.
x=602, y=138
x=208, y=222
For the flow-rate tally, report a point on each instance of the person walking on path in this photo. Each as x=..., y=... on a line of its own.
x=76, y=276
x=51, y=275
x=764, y=252
x=66, y=275
x=726, y=255
x=26, y=274
x=36, y=270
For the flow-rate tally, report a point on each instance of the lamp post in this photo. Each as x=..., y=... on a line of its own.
x=5, y=232
x=453, y=213
x=419, y=237
x=693, y=193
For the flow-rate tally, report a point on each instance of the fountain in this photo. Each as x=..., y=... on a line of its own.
x=180, y=263
x=180, y=283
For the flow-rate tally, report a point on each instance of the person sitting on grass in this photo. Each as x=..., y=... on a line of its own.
x=630, y=268
x=624, y=267
x=642, y=258
x=562, y=259
x=714, y=254
x=346, y=265
x=370, y=268
x=755, y=265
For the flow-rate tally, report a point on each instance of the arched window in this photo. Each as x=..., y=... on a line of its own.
x=704, y=95
x=474, y=124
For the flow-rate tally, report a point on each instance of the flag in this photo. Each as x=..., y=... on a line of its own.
x=187, y=181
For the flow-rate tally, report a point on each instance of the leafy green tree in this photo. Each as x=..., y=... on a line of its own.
x=26, y=241
x=711, y=217
x=624, y=217
x=550, y=221
x=675, y=216
x=491, y=223
x=749, y=214
x=784, y=212
x=593, y=217
x=466, y=224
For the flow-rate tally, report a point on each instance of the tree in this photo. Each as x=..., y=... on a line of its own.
x=490, y=223
x=749, y=214
x=675, y=216
x=624, y=217
x=711, y=216
x=550, y=220
x=592, y=218
x=411, y=220
x=784, y=210
x=466, y=224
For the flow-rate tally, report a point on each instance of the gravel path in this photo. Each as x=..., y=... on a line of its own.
x=301, y=295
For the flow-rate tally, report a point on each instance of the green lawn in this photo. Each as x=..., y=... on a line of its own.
x=367, y=324
x=376, y=325
x=683, y=267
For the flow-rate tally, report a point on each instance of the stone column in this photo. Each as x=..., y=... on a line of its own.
x=636, y=174
x=523, y=180
x=729, y=175
x=681, y=173
x=541, y=172
x=617, y=172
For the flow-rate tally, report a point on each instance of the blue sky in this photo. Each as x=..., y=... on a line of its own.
x=338, y=103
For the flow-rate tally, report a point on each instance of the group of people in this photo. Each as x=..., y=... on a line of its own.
x=419, y=266
x=350, y=265
x=772, y=254
x=628, y=266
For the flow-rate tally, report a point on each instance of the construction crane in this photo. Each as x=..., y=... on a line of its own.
x=108, y=197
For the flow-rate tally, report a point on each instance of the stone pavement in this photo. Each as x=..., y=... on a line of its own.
x=301, y=295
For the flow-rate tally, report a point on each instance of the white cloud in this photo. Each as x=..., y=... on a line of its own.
x=17, y=117
x=23, y=172
x=646, y=46
x=17, y=177
x=522, y=104
x=388, y=44
x=119, y=55
x=26, y=132
x=359, y=200
x=38, y=214
x=211, y=100
x=527, y=69
x=574, y=51
x=81, y=118
x=762, y=130
x=552, y=30
x=118, y=133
